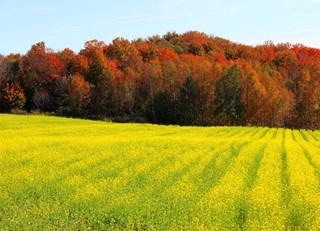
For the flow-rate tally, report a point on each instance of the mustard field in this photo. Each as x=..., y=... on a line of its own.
x=68, y=174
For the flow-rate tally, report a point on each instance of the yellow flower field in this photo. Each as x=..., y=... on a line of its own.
x=69, y=174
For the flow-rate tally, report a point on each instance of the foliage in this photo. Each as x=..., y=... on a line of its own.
x=229, y=84
x=165, y=109
x=228, y=97
x=12, y=97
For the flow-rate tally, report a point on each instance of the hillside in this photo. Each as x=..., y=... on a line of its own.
x=70, y=174
x=184, y=79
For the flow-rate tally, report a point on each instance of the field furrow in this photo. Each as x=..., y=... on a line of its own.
x=68, y=174
x=220, y=207
x=303, y=195
x=264, y=198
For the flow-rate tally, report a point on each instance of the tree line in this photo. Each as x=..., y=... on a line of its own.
x=185, y=79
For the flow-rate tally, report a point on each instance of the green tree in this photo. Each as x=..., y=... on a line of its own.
x=101, y=95
x=165, y=108
x=229, y=107
x=188, y=102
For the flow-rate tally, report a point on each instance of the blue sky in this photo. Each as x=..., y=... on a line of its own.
x=70, y=23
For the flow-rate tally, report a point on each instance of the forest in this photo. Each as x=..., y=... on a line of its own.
x=185, y=79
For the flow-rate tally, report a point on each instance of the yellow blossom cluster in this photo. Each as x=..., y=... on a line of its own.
x=69, y=174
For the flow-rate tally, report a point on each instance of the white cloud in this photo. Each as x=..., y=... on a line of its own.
x=171, y=16
x=293, y=32
x=38, y=10
x=287, y=2
x=170, y=3
x=34, y=11
x=301, y=15
x=42, y=11
x=137, y=19
x=149, y=18
x=133, y=17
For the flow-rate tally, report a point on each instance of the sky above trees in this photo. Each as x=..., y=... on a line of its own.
x=70, y=23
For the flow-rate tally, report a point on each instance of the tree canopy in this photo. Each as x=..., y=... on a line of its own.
x=187, y=79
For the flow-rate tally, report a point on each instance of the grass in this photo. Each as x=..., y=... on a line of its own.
x=69, y=174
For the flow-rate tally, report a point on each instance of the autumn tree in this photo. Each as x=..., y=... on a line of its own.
x=125, y=53
x=195, y=41
x=254, y=94
x=75, y=96
x=40, y=68
x=279, y=102
x=189, y=78
x=308, y=100
x=2, y=71
x=12, y=97
x=9, y=68
x=73, y=63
